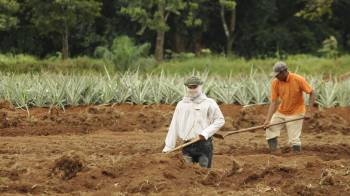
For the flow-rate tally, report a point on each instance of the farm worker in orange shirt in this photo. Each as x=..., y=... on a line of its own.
x=288, y=88
x=195, y=116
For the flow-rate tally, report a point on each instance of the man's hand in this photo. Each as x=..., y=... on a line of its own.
x=166, y=149
x=309, y=113
x=201, y=137
x=266, y=124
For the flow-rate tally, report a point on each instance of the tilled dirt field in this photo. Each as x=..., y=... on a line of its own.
x=115, y=150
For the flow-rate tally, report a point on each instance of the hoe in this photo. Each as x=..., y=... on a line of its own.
x=223, y=135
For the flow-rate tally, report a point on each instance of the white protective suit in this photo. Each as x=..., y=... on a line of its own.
x=192, y=117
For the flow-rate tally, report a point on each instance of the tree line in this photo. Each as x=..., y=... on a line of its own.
x=248, y=28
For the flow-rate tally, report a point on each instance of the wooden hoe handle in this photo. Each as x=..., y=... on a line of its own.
x=255, y=128
x=184, y=145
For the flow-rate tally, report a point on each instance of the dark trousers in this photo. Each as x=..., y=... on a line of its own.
x=200, y=152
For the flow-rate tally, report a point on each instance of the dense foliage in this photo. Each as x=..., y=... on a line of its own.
x=249, y=28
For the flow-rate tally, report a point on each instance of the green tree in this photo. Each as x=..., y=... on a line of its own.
x=315, y=9
x=62, y=16
x=228, y=7
x=154, y=15
x=8, y=9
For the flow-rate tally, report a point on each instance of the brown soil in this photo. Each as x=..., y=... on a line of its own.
x=115, y=150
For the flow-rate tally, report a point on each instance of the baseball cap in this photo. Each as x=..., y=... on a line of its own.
x=278, y=68
x=193, y=80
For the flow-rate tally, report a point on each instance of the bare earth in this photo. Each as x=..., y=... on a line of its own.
x=115, y=150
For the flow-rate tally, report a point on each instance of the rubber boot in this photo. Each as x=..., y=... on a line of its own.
x=272, y=144
x=296, y=148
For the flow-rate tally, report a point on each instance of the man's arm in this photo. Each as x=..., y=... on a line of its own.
x=218, y=121
x=310, y=108
x=306, y=87
x=272, y=110
x=273, y=104
x=170, y=140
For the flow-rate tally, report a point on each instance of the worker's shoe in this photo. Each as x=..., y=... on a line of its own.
x=272, y=144
x=296, y=148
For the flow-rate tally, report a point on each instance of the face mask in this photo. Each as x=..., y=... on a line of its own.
x=192, y=93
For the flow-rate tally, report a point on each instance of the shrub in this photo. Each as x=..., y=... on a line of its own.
x=329, y=47
x=123, y=53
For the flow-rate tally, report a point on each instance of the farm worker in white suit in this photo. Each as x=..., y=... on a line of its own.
x=195, y=116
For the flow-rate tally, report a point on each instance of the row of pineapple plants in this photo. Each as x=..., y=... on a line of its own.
x=48, y=90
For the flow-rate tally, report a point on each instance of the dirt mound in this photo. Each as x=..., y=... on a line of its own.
x=3, y=120
x=67, y=166
x=83, y=120
x=235, y=169
x=305, y=190
x=18, y=187
x=12, y=174
x=212, y=178
x=6, y=105
x=326, y=122
x=117, y=149
x=125, y=118
x=328, y=151
x=45, y=130
x=248, y=117
x=275, y=174
x=327, y=177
